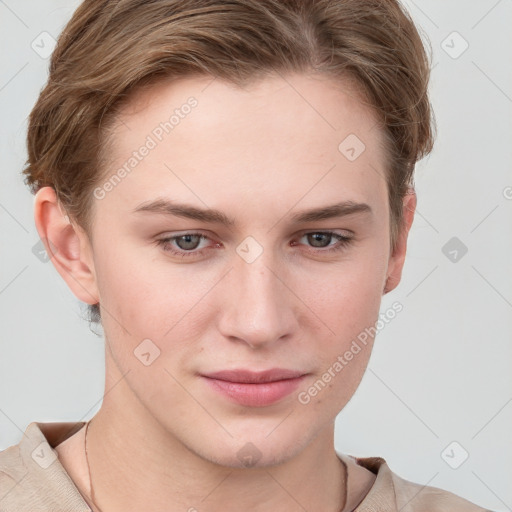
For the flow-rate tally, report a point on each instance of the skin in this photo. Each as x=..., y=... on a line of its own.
x=260, y=155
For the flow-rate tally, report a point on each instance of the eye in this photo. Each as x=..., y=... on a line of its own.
x=184, y=245
x=321, y=239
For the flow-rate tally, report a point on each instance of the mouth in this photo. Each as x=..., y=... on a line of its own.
x=255, y=389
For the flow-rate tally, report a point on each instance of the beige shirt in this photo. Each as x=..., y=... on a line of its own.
x=33, y=479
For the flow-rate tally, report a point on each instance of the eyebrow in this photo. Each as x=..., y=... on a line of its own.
x=167, y=207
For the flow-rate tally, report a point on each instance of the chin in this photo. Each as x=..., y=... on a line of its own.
x=254, y=450
x=249, y=456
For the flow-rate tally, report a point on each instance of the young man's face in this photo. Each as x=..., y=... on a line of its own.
x=268, y=291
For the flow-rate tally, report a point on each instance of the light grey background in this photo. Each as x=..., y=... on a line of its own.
x=440, y=371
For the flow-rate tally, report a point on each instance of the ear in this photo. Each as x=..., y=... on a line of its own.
x=397, y=258
x=67, y=245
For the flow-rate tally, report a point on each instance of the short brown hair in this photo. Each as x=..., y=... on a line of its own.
x=109, y=48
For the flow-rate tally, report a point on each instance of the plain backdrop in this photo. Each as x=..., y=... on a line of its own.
x=436, y=400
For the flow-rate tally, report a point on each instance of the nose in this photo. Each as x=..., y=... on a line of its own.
x=260, y=308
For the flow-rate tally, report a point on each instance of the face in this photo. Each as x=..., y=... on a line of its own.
x=220, y=248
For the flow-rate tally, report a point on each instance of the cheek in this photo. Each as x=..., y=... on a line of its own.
x=350, y=293
x=144, y=298
x=138, y=290
x=349, y=306
x=351, y=312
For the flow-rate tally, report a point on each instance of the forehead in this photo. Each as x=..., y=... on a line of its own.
x=303, y=104
x=282, y=132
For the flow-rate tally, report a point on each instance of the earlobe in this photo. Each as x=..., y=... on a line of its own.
x=67, y=246
x=397, y=258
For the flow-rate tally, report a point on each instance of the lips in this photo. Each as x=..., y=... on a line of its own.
x=250, y=377
x=255, y=389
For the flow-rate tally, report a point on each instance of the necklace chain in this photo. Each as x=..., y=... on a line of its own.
x=99, y=509
x=89, y=468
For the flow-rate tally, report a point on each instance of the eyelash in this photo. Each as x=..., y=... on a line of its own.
x=343, y=243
